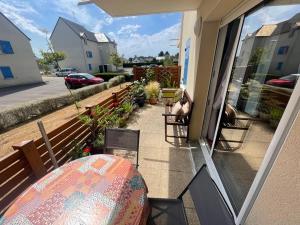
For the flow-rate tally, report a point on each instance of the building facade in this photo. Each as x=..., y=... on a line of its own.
x=257, y=170
x=17, y=61
x=85, y=51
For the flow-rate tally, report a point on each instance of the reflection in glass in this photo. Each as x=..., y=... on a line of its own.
x=264, y=74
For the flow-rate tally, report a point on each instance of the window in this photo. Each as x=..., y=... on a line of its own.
x=5, y=47
x=90, y=66
x=250, y=95
x=6, y=72
x=89, y=54
x=279, y=66
x=283, y=50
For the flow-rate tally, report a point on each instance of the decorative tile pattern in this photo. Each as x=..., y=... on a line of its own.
x=101, y=189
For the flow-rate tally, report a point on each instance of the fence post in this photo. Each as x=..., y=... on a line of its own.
x=33, y=157
x=116, y=100
x=47, y=143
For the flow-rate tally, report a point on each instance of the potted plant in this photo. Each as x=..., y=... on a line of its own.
x=152, y=92
x=275, y=116
x=138, y=93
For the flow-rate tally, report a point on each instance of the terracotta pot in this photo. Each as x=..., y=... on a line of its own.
x=153, y=101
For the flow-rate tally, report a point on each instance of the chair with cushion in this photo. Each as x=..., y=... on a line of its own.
x=179, y=115
x=210, y=206
x=124, y=139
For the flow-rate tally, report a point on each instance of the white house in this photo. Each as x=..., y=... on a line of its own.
x=84, y=50
x=17, y=61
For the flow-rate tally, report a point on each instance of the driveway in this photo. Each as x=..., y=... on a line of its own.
x=12, y=96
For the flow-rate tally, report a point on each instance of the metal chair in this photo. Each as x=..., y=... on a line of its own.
x=209, y=204
x=125, y=139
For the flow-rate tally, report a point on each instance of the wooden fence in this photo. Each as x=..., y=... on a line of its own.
x=30, y=160
x=161, y=73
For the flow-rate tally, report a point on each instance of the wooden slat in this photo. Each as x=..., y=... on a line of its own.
x=13, y=169
x=79, y=136
x=42, y=149
x=69, y=139
x=54, y=141
x=9, y=198
x=63, y=127
x=39, y=142
x=10, y=158
x=15, y=180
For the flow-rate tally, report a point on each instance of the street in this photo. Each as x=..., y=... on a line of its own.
x=12, y=96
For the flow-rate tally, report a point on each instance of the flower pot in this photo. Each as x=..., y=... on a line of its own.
x=140, y=100
x=153, y=101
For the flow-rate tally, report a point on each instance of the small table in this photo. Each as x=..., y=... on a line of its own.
x=99, y=189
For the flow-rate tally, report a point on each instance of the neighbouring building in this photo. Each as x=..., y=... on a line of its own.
x=86, y=51
x=17, y=61
x=247, y=129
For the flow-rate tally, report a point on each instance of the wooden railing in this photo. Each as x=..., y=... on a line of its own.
x=30, y=160
x=161, y=73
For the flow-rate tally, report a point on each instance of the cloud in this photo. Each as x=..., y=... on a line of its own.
x=128, y=29
x=18, y=12
x=139, y=44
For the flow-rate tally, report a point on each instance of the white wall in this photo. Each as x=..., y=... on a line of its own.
x=96, y=60
x=106, y=49
x=64, y=39
x=22, y=62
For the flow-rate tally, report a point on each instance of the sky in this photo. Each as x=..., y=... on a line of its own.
x=136, y=35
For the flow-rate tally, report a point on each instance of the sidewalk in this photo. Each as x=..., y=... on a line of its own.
x=30, y=130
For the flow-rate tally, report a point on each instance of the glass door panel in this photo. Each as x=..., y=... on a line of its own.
x=262, y=79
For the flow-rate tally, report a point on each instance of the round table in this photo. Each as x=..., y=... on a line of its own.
x=99, y=189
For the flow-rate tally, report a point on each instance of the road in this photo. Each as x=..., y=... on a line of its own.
x=13, y=96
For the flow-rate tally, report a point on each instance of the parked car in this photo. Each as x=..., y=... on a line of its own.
x=74, y=80
x=65, y=72
x=286, y=81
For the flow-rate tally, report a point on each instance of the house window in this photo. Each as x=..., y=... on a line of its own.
x=283, y=50
x=5, y=47
x=6, y=72
x=89, y=54
x=279, y=66
x=90, y=66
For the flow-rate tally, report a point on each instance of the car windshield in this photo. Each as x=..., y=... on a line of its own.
x=290, y=77
x=88, y=76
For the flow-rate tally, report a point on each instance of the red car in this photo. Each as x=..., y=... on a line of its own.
x=286, y=81
x=81, y=79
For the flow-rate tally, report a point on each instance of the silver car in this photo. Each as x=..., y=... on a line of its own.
x=65, y=72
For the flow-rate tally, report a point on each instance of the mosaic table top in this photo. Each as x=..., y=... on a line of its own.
x=99, y=189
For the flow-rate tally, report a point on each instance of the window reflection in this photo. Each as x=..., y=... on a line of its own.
x=264, y=74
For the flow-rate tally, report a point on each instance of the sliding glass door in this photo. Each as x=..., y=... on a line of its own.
x=250, y=95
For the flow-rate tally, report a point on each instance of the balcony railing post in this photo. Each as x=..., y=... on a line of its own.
x=116, y=100
x=33, y=157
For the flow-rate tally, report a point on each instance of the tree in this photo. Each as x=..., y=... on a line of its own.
x=116, y=60
x=168, y=61
x=167, y=53
x=161, y=53
x=52, y=58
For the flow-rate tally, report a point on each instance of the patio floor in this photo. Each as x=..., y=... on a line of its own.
x=167, y=167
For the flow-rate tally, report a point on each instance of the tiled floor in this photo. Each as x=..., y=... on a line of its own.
x=166, y=166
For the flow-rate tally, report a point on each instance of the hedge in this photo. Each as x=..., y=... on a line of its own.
x=108, y=76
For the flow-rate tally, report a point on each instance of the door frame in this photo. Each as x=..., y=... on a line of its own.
x=280, y=135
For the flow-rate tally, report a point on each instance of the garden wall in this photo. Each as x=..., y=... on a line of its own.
x=160, y=73
x=31, y=160
x=33, y=109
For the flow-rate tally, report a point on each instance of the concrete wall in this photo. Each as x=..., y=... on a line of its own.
x=106, y=49
x=96, y=60
x=22, y=62
x=64, y=39
x=279, y=200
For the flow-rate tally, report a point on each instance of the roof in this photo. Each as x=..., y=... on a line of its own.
x=80, y=31
x=101, y=37
x=15, y=26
